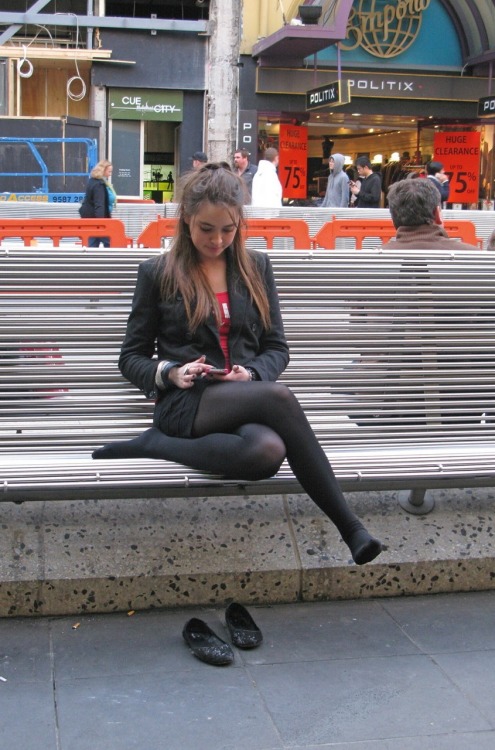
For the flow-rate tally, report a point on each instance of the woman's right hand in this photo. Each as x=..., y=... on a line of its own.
x=185, y=375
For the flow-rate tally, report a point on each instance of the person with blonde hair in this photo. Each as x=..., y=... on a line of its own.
x=209, y=308
x=99, y=199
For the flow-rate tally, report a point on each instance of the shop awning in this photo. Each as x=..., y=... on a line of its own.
x=290, y=45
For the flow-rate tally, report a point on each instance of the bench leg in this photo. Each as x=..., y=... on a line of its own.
x=418, y=501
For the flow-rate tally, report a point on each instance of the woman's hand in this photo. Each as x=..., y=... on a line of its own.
x=237, y=373
x=185, y=375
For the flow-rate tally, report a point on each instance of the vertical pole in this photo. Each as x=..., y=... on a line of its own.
x=223, y=79
x=18, y=92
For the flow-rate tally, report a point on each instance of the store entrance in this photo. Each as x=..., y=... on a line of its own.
x=383, y=138
x=396, y=145
x=160, y=171
x=392, y=143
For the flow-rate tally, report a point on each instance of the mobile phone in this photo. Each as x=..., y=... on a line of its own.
x=217, y=371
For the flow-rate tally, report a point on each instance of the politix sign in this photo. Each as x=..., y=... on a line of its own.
x=486, y=106
x=330, y=95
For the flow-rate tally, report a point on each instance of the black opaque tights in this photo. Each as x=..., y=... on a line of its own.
x=244, y=431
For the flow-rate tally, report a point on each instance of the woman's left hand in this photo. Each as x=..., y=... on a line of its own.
x=238, y=373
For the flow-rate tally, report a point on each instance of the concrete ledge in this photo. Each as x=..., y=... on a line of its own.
x=70, y=557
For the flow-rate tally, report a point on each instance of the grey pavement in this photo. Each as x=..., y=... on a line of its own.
x=406, y=673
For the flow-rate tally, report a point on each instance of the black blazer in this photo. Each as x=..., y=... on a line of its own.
x=155, y=325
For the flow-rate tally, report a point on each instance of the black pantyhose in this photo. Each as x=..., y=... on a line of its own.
x=252, y=452
x=244, y=431
x=276, y=407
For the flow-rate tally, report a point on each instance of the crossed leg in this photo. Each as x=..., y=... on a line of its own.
x=244, y=431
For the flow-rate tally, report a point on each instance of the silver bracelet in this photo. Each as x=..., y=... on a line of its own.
x=253, y=375
x=162, y=371
x=158, y=375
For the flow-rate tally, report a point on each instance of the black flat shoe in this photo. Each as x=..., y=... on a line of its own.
x=241, y=626
x=205, y=644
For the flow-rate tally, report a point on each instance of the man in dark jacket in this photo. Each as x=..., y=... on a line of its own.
x=369, y=191
x=436, y=174
x=246, y=170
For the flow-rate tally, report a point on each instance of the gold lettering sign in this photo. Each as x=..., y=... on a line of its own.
x=384, y=28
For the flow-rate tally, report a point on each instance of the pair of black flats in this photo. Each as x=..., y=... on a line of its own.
x=209, y=647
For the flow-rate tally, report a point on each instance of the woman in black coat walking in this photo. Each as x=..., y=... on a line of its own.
x=99, y=199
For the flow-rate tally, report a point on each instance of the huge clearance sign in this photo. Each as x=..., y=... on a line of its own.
x=293, y=160
x=459, y=152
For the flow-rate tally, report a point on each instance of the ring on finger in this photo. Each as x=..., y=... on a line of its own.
x=186, y=370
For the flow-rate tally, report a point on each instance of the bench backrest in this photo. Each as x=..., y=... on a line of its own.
x=383, y=347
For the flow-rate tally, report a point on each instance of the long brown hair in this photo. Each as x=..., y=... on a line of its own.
x=182, y=271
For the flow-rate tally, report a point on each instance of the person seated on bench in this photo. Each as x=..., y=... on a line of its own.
x=415, y=209
x=210, y=308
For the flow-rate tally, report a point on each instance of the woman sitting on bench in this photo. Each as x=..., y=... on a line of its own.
x=210, y=308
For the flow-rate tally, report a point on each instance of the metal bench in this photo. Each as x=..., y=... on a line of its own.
x=393, y=359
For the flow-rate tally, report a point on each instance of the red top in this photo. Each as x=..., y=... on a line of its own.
x=224, y=329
